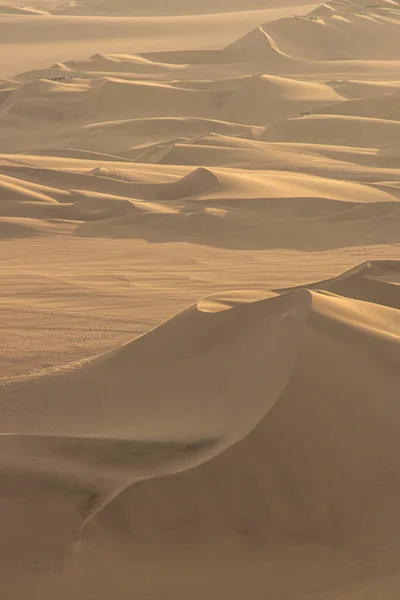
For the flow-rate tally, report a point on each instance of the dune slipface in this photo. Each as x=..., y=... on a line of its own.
x=235, y=165
x=237, y=426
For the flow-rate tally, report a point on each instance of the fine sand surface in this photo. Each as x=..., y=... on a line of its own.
x=236, y=165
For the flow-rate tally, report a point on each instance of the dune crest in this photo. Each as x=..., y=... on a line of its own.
x=190, y=380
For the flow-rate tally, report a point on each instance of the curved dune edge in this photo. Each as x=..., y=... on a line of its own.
x=211, y=206
x=206, y=387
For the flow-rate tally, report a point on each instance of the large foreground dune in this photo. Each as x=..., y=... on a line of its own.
x=238, y=169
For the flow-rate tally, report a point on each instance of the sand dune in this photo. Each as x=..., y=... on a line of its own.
x=235, y=165
x=343, y=32
x=283, y=344
x=216, y=207
x=364, y=89
x=341, y=130
x=127, y=7
x=112, y=135
x=384, y=106
x=244, y=101
x=375, y=282
x=73, y=37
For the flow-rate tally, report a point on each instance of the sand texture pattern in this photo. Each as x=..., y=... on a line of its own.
x=200, y=300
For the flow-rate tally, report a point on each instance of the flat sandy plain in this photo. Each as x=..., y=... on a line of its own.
x=240, y=169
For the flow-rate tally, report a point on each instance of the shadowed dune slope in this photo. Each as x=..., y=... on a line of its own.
x=217, y=207
x=266, y=393
x=342, y=31
x=376, y=282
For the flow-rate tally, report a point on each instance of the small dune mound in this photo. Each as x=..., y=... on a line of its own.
x=194, y=184
x=255, y=44
x=180, y=153
x=275, y=88
x=120, y=136
x=264, y=98
x=351, y=89
x=110, y=173
x=380, y=106
x=76, y=154
x=340, y=130
x=323, y=10
x=60, y=100
x=198, y=182
x=57, y=72
x=376, y=281
x=119, y=63
x=160, y=153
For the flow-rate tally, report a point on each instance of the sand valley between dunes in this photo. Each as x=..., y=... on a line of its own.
x=200, y=300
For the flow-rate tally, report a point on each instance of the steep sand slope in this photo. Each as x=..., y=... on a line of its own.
x=64, y=37
x=342, y=31
x=280, y=399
